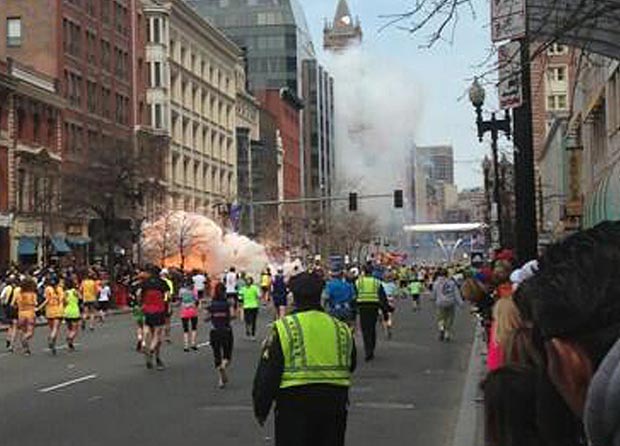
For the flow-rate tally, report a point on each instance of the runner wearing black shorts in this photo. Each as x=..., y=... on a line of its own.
x=153, y=296
x=221, y=335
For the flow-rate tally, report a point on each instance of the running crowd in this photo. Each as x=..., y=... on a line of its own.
x=79, y=299
x=551, y=326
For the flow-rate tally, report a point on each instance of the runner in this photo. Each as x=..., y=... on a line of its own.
x=279, y=291
x=9, y=293
x=138, y=314
x=88, y=290
x=165, y=276
x=103, y=301
x=230, y=280
x=391, y=289
x=200, y=282
x=265, y=285
x=153, y=293
x=54, y=311
x=250, y=299
x=26, y=303
x=415, y=289
x=189, y=314
x=221, y=338
x=339, y=298
x=71, y=313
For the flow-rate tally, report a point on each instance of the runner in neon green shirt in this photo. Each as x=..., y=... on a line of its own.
x=250, y=296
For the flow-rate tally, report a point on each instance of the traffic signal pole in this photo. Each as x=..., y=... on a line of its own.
x=318, y=199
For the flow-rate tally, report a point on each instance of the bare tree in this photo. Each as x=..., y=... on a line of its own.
x=103, y=184
x=351, y=231
x=186, y=237
x=174, y=235
x=572, y=22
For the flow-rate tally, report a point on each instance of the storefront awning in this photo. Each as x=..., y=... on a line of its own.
x=603, y=203
x=60, y=245
x=78, y=240
x=27, y=246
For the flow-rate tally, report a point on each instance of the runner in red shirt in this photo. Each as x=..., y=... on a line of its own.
x=153, y=292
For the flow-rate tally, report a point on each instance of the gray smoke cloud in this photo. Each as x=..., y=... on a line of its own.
x=378, y=108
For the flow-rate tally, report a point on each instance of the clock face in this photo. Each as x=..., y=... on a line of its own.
x=346, y=20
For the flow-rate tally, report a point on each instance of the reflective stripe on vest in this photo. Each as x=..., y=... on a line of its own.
x=368, y=290
x=317, y=350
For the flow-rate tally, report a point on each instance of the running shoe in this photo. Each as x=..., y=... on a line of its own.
x=160, y=364
x=149, y=360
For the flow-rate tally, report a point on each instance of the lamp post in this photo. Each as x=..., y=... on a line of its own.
x=493, y=126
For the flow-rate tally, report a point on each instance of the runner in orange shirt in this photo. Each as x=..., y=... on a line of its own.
x=54, y=310
x=88, y=290
x=26, y=303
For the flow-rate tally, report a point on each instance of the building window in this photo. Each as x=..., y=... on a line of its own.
x=156, y=30
x=557, y=49
x=14, y=31
x=557, y=74
x=91, y=99
x=157, y=74
x=105, y=11
x=158, y=118
x=557, y=102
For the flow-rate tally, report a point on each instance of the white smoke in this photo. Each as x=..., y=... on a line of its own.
x=377, y=107
x=204, y=244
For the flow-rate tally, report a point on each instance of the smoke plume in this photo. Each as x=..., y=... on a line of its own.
x=377, y=111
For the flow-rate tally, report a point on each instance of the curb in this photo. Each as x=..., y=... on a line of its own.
x=469, y=429
x=40, y=323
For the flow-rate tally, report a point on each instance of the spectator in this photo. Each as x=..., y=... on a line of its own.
x=571, y=314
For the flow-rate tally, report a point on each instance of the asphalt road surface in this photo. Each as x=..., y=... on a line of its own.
x=102, y=394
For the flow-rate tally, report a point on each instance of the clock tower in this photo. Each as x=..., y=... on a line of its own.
x=344, y=32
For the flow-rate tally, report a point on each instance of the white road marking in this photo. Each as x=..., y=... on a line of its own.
x=384, y=406
x=203, y=344
x=223, y=408
x=67, y=383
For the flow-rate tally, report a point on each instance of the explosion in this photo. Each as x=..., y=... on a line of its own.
x=192, y=241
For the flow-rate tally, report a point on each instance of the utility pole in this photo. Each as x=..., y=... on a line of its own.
x=525, y=185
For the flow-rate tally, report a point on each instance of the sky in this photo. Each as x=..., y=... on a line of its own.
x=441, y=74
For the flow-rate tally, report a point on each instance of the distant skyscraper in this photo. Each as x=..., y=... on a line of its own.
x=274, y=34
x=344, y=32
x=440, y=161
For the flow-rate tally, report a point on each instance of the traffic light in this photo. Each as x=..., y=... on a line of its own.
x=398, y=199
x=352, y=202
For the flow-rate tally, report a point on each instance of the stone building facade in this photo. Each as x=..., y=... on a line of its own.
x=192, y=97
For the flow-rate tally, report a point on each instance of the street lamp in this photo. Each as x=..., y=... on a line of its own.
x=494, y=126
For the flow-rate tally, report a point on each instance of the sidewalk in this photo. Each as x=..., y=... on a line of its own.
x=470, y=425
x=41, y=321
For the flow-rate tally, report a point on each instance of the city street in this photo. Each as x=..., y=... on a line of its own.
x=103, y=395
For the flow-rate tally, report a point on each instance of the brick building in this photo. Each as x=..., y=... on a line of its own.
x=94, y=53
x=553, y=80
x=286, y=107
x=30, y=160
x=6, y=88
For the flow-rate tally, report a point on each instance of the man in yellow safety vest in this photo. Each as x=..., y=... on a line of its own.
x=305, y=367
x=370, y=298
